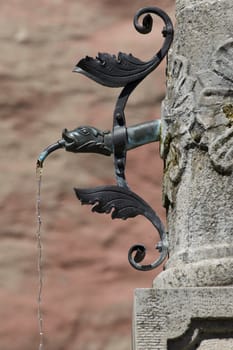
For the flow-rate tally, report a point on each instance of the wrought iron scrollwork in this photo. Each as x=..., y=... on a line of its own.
x=122, y=203
x=123, y=69
x=127, y=71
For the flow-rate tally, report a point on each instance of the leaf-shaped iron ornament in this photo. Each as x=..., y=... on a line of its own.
x=122, y=203
x=127, y=71
x=120, y=70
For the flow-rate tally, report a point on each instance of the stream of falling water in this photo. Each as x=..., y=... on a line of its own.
x=39, y=261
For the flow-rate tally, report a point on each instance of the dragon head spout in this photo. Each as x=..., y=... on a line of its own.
x=86, y=139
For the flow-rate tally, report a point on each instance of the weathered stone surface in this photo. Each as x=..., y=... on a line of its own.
x=216, y=344
x=181, y=319
x=198, y=147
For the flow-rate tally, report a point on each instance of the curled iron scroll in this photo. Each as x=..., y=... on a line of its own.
x=127, y=71
x=123, y=69
x=122, y=203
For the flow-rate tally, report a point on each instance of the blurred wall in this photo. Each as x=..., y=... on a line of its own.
x=88, y=284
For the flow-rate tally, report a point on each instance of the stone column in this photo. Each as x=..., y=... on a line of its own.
x=198, y=146
x=191, y=305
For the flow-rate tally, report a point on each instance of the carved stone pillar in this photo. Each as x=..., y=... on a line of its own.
x=197, y=147
x=191, y=304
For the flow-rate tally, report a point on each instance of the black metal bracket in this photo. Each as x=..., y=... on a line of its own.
x=127, y=71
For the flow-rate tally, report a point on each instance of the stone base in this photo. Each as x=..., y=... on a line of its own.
x=183, y=319
x=204, y=273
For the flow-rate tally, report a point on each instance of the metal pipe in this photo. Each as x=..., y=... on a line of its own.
x=51, y=148
x=143, y=133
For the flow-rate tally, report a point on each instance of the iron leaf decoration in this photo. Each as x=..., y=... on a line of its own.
x=123, y=69
x=122, y=203
x=114, y=71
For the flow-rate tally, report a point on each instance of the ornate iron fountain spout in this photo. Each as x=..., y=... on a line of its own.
x=88, y=139
x=127, y=71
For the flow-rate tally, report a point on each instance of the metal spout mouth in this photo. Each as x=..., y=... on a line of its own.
x=77, y=69
x=51, y=148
